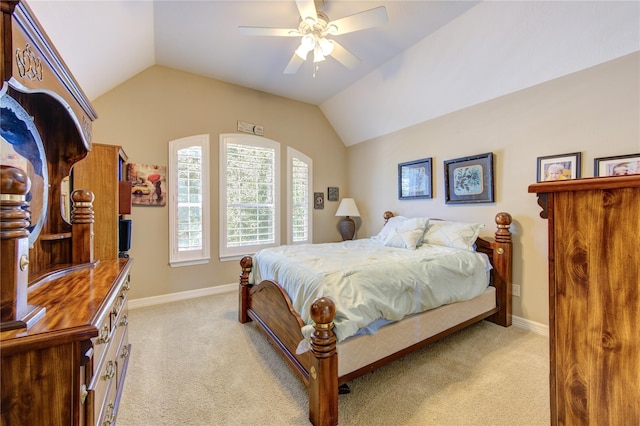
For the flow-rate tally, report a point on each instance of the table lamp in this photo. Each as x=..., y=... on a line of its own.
x=347, y=208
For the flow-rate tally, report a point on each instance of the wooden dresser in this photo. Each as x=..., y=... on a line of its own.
x=69, y=368
x=64, y=348
x=594, y=299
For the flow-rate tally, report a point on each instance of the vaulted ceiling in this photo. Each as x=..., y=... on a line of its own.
x=430, y=58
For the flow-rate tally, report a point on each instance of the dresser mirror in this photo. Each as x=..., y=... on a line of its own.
x=22, y=148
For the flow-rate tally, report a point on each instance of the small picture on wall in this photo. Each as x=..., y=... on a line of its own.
x=620, y=165
x=318, y=200
x=148, y=184
x=559, y=167
x=332, y=193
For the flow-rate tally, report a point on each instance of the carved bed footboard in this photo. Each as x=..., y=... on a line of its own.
x=270, y=308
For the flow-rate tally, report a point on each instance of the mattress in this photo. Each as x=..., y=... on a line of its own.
x=359, y=351
x=369, y=281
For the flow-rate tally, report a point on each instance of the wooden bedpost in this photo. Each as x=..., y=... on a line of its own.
x=246, y=263
x=502, y=267
x=387, y=215
x=323, y=372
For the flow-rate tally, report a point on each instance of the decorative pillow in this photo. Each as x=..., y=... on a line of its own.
x=407, y=234
x=459, y=235
x=389, y=227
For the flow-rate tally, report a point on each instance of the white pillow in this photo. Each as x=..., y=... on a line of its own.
x=407, y=233
x=389, y=227
x=459, y=235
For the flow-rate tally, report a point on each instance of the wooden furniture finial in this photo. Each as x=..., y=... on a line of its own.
x=503, y=221
x=14, y=236
x=82, y=219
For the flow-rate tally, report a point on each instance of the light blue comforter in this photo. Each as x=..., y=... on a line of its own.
x=368, y=281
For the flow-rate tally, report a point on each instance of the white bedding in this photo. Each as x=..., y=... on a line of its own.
x=368, y=280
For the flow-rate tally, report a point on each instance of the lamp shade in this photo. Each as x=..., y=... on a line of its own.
x=348, y=207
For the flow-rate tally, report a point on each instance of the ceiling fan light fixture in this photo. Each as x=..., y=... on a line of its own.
x=302, y=52
x=326, y=46
x=307, y=44
x=317, y=54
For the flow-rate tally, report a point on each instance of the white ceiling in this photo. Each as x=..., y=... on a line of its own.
x=105, y=42
x=431, y=58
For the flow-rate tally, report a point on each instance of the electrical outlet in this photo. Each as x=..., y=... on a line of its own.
x=515, y=290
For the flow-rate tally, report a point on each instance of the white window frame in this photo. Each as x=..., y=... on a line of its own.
x=233, y=253
x=189, y=257
x=291, y=155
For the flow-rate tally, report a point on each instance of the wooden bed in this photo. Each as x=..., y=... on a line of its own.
x=270, y=308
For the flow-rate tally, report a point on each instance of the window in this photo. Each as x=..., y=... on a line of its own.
x=299, y=184
x=189, y=201
x=249, y=194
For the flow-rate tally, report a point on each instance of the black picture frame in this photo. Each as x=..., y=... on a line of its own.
x=611, y=166
x=559, y=167
x=415, y=179
x=469, y=179
x=333, y=193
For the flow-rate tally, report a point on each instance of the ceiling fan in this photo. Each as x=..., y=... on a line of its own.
x=314, y=29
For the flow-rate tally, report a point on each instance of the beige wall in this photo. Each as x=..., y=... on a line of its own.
x=595, y=112
x=160, y=104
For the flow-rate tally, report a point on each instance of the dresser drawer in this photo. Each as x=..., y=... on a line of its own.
x=108, y=327
x=102, y=388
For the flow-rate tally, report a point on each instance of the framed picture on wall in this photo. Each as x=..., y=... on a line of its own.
x=559, y=167
x=620, y=165
x=469, y=179
x=414, y=179
x=333, y=193
x=148, y=184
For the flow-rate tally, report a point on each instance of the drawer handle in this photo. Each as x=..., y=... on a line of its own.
x=104, y=335
x=109, y=371
x=124, y=321
x=118, y=304
x=109, y=417
x=125, y=352
x=83, y=393
x=126, y=285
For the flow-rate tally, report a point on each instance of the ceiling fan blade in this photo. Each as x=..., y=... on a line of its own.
x=343, y=56
x=261, y=31
x=307, y=9
x=294, y=64
x=359, y=21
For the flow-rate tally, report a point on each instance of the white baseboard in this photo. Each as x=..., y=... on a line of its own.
x=519, y=322
x=528, y=325
x=184, y=295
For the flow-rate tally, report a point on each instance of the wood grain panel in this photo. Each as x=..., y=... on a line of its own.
x=99, y=173
x=594, y=274
x=48, y=370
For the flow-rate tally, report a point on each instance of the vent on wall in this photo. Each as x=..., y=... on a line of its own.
x=254, y=129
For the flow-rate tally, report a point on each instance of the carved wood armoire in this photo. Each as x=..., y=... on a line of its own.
x=594, y=299
x=63, y=332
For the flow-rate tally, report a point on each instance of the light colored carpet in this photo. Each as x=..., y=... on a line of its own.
x=193, y=363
